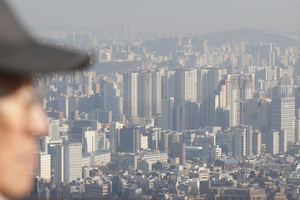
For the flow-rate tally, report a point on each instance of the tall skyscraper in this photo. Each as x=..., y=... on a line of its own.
x=167, y=108
x=233, y=98
x=68, y=162
x=156, y=92
x=283, y=117
x=145, y=95
x=59, y=164
x=130, y=94
x=211, y=104
x=256, y=142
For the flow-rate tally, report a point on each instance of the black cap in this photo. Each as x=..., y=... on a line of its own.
x=20, y=55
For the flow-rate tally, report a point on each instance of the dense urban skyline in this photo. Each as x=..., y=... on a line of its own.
x=162, y=113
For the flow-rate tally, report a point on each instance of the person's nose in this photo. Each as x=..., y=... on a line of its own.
x=37, y=120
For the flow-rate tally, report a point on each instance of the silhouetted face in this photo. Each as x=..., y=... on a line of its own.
x=22, y=119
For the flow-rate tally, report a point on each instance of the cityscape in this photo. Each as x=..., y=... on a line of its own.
x=171, y=114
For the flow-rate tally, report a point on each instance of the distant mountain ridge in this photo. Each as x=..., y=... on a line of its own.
x=253, y=36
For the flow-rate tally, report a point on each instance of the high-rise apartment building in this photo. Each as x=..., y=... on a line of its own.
x=207, y=82
x=234, y=89
x=142, y=93
x=185, y=86
x=186, y=116
x=130, y=94
x=247, y=85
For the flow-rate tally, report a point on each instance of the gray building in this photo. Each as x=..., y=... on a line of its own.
x=257, y=113
x=130, y=139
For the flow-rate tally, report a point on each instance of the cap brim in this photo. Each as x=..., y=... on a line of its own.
x=33, y=57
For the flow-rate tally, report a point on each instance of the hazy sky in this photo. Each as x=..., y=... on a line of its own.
x=194, y=15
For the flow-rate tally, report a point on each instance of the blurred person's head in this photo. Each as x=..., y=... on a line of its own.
x=22, y=118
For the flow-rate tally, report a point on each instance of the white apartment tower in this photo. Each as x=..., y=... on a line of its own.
x=72, y=164
x=283, y=117
x=233, y=99
x=185, y=86
x=130, y=94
